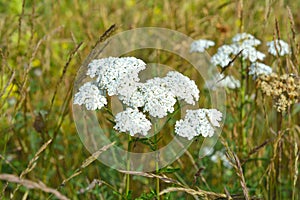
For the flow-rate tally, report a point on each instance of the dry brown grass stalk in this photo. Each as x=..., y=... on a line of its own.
x=32, y=185
x=162, y=177
x=32, y=164
x=203, y=194
x=236, y=164
x=87, y=162
x=72, y=54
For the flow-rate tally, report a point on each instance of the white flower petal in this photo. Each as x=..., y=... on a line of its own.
x=132, y=121
x=90, y=96
x=198, y=122
x=282, y=47
x=201, y=45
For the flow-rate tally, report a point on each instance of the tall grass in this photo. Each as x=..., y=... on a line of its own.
x=43, y=44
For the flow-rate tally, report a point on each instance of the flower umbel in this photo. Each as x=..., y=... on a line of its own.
x=156, y=97
x=257, y=69
x=113, y=73
x=182, y=87
x=241, y=42
x=198, y=122
x=90, y=96
x=223, y=82
x=278, y=46
x=132, y=121
x=201, y=45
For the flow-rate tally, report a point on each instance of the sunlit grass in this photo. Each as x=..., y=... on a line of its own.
x=40, y=54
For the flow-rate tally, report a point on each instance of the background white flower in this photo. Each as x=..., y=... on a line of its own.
x=249, y=52
x=240, y=42
x=220, y=156
x=246, y=39
x=257, y=69
x=132, y=121
x=223, y=82
x=201, y=45
x=198, y=122
x=90, y=96
x=222, y=57
x=247, y=43
x=282, y=47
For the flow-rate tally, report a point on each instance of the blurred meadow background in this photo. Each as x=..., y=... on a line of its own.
x=44, y=43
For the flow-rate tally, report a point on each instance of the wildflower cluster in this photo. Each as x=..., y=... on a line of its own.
x=278, y=47
x=283, y=89
x=90, y=95
x=223, y=81
x=201, y=45
x=156, y=97
x=242, y=42
x=245, y=46
x=197, y=122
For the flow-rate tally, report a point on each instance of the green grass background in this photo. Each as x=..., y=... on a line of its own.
x=39, y=37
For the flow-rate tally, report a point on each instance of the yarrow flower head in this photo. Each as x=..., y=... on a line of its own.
x=90, y=96
x=113, y=74
x=257, y=69
x=198, y=122
x=245, y=39
x=156, y=96
x=223, y=82
x=222, y=57
x=158, y=100
x=132, y=121
x=182, y=87
x=242, y=42
x=280, y=46
x=246, y=43
x=220, y=156
x=201, y=45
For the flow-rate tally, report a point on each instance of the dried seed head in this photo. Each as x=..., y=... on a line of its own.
x=284, y=89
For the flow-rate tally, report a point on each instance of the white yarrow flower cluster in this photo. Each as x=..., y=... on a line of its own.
x=182, y=87
x=132, y=121
x=223, y=56
x=246, y=39
x=158, y=100
x=229, y=82
x=90, y=96
x=201, y=45
x=198, y=122
x=281, y=46
x=242, y=42
x=157, y=97
x=223, y=82
x=220, y=156
x=257, y=69
x=113, y=74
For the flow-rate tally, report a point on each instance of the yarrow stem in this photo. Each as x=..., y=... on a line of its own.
x=128, y=166
x=242, y=106
x=156, y=163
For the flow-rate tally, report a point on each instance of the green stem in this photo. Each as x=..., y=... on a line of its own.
x=242, y=107
x=128, y=166
x=156, y=164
